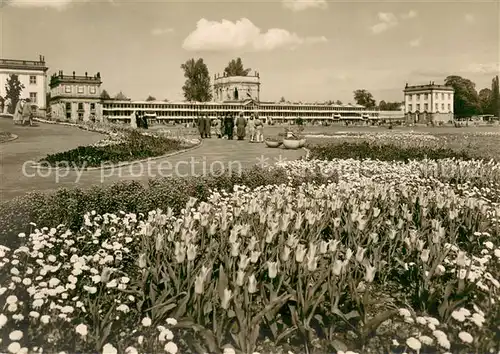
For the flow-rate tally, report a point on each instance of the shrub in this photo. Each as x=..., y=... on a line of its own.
x=383, y=152
x=67, y=206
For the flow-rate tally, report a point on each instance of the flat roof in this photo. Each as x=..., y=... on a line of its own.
x=428, y=87
x=17, y=64
x=234, y=103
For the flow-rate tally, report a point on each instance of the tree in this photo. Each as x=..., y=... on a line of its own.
x=339, y=102
x=466, y=101
x=364, y=98
x=166, y=100
x=150, y=98
x=13, y=89
x=299, y=121
x=48, y=97
x=495, y=97
x=282, y=99
x=121, y=96
x=197, y=86
x=235, y=68
x=485, y=100
x=105, y=95
x=389, y=106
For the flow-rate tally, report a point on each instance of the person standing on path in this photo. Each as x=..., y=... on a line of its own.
x=218, y=127
x=241, y=124
x=229, y=125
x=133, y=120
x=201, y=126
x=27, y=112
x=259, y=130
x=208, y=126
x=18, y=113
x=251, y=129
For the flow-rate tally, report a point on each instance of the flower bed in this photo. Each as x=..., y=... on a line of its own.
x=66, y=206
x=366, y=264
x=383, y=151
x=323, y=256
x=120, y=148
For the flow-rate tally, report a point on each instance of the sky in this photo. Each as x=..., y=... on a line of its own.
x=309, y=51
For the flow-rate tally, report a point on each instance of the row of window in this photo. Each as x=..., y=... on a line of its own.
x=427, y=96
x=426, y=107
x=79, y=89
x=215, y=114
x=80, y=106
x=233, y=108
x=68, y=115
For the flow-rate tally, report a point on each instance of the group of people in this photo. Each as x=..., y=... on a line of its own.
x=140, y=120
x=23, y=114
x=225, y=127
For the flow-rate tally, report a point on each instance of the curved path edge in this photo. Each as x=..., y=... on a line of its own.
x=12, y=137
x=75, y=125
x=118, y=165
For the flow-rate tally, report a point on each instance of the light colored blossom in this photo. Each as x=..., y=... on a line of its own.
x=14, y=347
x=172, y=321
x=109, y=349
x=465, y=337
x=171, y=348
x=3, y=320
x=414, y=343
x=15, y=335
x=146, y=322
x=165, y=335
x=81, y=329
x=426, y=340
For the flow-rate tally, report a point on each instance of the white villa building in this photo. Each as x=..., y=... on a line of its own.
x=31, y=74
x=428, y=103
x=75, y=98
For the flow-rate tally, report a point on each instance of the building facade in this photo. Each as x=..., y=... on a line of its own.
x=184, y=112
x=33, y=77
x=75, y=98
x=428, y=103
x=236, y=88
x=78, y=98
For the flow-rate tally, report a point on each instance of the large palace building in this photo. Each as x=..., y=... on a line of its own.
x=77, y=98
x=182, y=112
x=237, y=94
x=31, y=74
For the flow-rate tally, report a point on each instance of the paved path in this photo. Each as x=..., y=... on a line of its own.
x=34, y=143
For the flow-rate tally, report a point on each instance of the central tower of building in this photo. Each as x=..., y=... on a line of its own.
x=236, y=88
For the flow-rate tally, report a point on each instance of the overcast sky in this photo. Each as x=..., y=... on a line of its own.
x=312, y=50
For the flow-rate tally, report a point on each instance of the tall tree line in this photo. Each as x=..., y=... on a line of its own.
x=468, y=102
